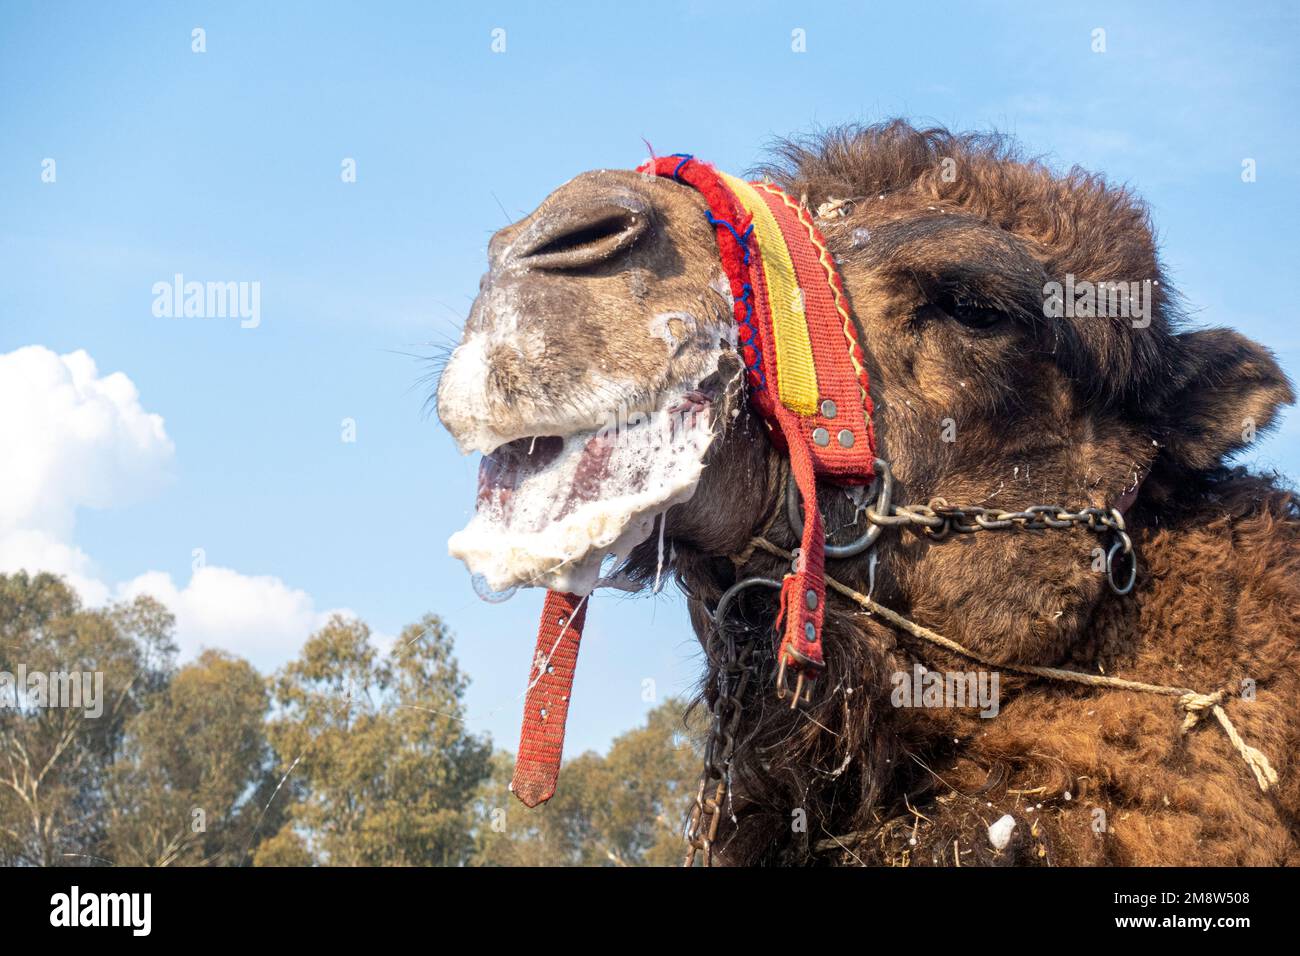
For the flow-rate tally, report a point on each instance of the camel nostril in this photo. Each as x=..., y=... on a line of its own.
x=570, y=238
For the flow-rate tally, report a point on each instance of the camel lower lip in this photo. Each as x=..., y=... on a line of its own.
x=550, y=508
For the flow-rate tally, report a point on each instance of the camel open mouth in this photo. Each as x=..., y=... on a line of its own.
x=552, y=508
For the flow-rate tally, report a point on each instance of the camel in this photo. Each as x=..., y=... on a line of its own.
x=988, y=391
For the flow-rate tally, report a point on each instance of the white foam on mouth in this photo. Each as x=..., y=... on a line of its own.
x=654, y=463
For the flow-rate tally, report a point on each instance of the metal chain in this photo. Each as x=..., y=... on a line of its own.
x=732, y=679
x=938, y=519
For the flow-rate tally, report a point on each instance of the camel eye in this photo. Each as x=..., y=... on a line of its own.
x=969, y=313
x=976, y=316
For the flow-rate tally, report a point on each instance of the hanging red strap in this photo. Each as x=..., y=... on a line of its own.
x=803, y=592
x=546, y=704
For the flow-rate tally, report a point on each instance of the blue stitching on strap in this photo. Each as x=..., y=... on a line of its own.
x=747, y=290
x=747, y=296
x=741, y=239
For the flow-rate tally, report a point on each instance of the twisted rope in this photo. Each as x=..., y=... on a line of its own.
x=1195, y=705
x=741, y=558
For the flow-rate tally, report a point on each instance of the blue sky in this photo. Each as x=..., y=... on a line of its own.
x=225, y=165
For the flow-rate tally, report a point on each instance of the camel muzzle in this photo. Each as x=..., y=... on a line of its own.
x=805, y=375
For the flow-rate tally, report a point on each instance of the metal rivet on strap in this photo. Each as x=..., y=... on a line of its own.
x=846, y=438
x=828, y=409
x=811, y=598
x=810, y=631
x=821, y=436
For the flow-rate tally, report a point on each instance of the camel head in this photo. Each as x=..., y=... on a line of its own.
x=598, y=376
x=1023, y=347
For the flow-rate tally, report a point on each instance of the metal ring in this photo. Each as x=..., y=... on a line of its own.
x=1115, y=549
x=728, y=596
x=1117, y=517
x=884, y=497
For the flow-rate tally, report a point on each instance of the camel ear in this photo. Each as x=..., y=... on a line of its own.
x=1226, y=390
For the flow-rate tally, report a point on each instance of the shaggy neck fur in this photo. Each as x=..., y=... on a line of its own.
x=1218, y=595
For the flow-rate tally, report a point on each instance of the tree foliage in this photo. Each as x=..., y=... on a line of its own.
x=348, y=756
x=385, y=770
x=55, y=761
x=625, y=808
x=194, y=771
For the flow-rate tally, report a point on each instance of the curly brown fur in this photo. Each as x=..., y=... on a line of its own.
x=1216, y=601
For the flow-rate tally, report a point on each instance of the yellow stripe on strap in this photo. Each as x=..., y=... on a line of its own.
x=796, y=373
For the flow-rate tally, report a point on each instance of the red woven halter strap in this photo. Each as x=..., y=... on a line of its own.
x=546, y=702
x=830, y=437
x=806, y=377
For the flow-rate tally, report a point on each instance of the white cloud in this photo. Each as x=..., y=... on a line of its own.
x=36, y=550
x=258, y=617
x=72, y=439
